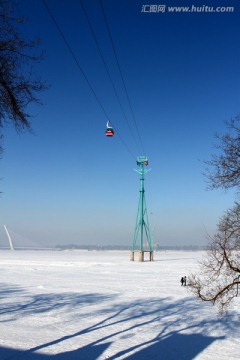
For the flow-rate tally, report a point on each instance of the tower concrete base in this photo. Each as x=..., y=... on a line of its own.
x=141, y=254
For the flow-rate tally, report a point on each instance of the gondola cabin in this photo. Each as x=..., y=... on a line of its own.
x=109, y=130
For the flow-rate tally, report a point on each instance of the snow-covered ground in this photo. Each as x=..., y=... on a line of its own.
x=99, y=305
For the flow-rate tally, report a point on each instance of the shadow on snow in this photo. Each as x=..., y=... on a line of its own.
x=42, y=303
x=185, y=347
x=178, y=328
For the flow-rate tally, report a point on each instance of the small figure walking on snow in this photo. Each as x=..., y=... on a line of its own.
x=184, y=280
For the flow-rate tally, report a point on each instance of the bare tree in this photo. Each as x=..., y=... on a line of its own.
x=18, y=84
x=223, y=169
x=219, y=278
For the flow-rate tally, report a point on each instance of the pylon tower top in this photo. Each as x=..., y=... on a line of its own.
x=142, y=161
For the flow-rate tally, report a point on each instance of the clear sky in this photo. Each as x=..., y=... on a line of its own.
x=68, y=183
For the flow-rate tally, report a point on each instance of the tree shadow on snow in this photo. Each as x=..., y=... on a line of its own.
x=180, y=333
x=88, y=352
x=175, y=346
x=6, y=290
x=42, y=303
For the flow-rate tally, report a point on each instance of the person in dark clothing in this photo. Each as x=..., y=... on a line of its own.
x=184, y=280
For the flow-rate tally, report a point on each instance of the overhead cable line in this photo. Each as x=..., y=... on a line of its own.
x=108, y=73
x=83, y=73
x=74, y=57
x=121, y=74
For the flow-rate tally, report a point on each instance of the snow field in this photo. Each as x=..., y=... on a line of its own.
x=99, y=305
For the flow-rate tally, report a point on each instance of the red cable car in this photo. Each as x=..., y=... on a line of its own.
x=109, y=130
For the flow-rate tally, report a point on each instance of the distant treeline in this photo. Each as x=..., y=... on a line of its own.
x=125, y=247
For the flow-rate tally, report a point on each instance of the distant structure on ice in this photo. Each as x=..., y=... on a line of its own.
x=9, y=237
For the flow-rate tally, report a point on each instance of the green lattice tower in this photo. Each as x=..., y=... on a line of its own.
x=142, y=224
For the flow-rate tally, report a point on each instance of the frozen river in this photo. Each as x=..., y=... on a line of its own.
x=99, y=305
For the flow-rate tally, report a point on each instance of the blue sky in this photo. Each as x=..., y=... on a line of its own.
x=68, y=183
